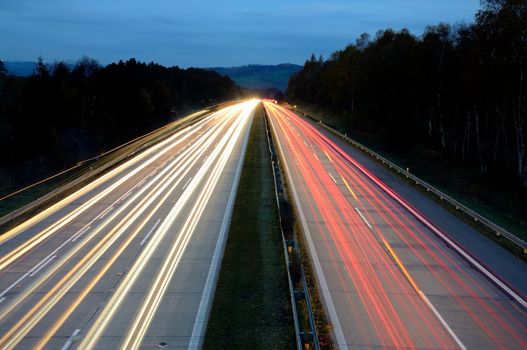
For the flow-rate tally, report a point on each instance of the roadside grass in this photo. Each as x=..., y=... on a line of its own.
x=503, y=203
x=251, y=308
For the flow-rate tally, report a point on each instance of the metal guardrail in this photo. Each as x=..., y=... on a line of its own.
x=498, y=230
x=59, y=192
x=304, y=340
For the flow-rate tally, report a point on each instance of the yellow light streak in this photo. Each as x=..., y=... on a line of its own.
x=327, y=155
x=349, y=188
x=400, y=264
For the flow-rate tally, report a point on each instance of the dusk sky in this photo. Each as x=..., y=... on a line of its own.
x=207, y=33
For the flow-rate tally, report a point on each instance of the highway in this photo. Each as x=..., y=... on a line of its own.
x=386, y=275
x=130, y=260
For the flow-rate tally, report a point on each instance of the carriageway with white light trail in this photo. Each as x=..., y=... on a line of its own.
x=130, y=260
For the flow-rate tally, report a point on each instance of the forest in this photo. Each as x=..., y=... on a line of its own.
x=460, y=90
x=63, y=113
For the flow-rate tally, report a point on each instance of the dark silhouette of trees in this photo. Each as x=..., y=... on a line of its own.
x=63, y=113
x=3, y=70
x=460, y=89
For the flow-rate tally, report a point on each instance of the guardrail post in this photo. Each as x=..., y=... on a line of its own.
x=290, y=246
x=299, y=294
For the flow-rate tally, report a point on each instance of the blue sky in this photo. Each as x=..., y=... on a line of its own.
x=207, y=33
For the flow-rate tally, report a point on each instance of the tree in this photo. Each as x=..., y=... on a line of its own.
x=87, y=66
x=3, y=70
x=41, y=69
x=461, y=90
x=59, y=114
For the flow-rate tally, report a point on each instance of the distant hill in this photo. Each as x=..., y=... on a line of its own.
x=256, y=76
x=252, y=76
x=20, y=68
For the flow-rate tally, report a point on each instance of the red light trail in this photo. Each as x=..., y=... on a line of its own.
x=391, y=280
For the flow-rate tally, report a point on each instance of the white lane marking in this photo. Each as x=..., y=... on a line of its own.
x=186, y=183
x=37, y=266
x=438, y=315
x=128, y=193
x=14, y=284
x=106, y=211
x=67, y=344
x=305, y=143
x=142, y=182
x=332, y=311
x=42, y=266
x=315, y=156
x=150, y=232
x=204, y=305
x=332, y=178
x=363, y=218
x=80, y=233
x=27, y=273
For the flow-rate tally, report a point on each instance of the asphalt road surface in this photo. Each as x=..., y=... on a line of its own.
x=130, y=260
x=388, y=277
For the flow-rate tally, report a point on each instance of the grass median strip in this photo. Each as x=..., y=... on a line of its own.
x=251, y=308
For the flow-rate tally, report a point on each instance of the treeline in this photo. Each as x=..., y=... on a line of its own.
x=460, y=89
x=63, y=113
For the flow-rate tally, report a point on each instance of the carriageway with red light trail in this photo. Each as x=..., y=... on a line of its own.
x=386, y=276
